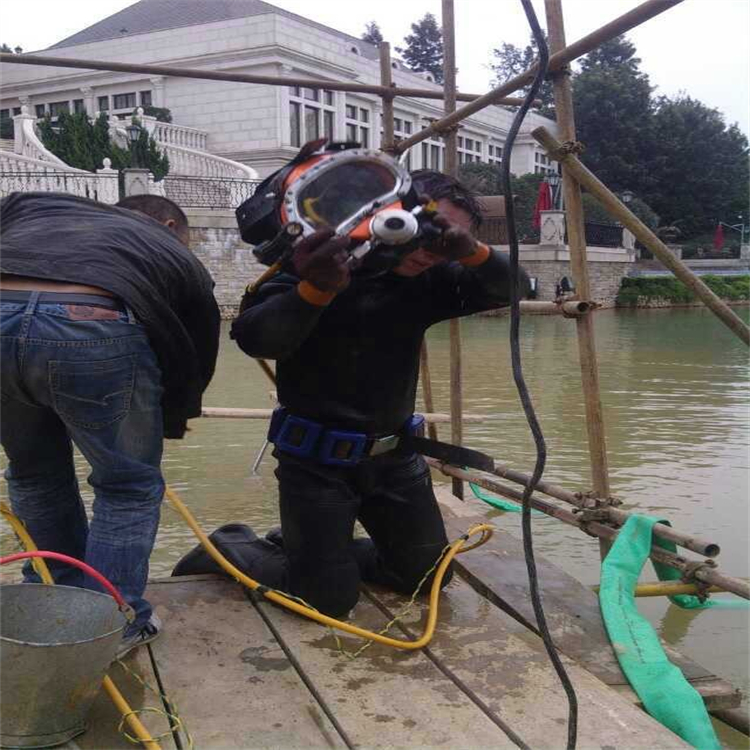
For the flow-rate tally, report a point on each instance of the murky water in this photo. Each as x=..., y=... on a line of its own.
x=677, y=408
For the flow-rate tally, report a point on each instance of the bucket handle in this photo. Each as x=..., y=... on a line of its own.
x=125, y=608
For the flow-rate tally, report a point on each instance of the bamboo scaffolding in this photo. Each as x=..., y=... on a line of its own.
x=595, y=431
x=580, y=500
x=705, y=574
x=619, y=211
x=451, y=168
x=559, y=60
x=386, y=81
x=670, y=588
x=213, y=75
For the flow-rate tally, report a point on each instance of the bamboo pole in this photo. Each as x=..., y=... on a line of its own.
x=424, y=372
x=618, y=210
x=689, y=541
x=560, y=59
x=595, y=432
x=219, y=412
x=451, y=168
x=706, y=574
x=386, y=81
x=213, y=75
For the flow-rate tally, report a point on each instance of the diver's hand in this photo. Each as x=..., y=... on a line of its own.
x=320, y=259
x=447, y=239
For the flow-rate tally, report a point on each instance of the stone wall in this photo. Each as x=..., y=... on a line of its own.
x=606, y=267
x=215, y=239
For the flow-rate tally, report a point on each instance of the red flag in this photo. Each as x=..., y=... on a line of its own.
x=543, y=202
x=719, y=237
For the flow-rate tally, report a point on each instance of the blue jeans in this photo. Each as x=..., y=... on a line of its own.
x=76, y=374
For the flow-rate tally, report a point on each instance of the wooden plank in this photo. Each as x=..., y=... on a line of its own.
x=230, y=680
x=385, y=698
x=507, y=668
x=498, y=571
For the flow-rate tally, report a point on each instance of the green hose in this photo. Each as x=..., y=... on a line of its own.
x=660, y=685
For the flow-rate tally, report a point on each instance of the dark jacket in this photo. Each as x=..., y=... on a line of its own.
x=354, y=364
x=62, y=237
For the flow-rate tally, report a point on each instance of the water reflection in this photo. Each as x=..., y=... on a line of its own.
x=675, y=395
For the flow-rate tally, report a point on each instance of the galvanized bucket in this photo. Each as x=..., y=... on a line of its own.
x=56, y=643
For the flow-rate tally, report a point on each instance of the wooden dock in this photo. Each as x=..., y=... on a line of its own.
x=246, y=674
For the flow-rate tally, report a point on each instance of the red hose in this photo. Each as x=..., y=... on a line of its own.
x=95, y=574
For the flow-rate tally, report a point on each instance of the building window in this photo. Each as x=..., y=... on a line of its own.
x=78, y=106
x=494, y=153
x=469, y=150
x=310, y=111
x=103, y=103
x=432, y=154
x=401, y=131
x=4, y=114
x=124, y=101
x=358, y=124
x=58, y=108
x=146, y=100
x=39, y=109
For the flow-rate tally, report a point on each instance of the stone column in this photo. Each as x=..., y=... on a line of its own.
x=88, y=100
x=136, y=181
x=552, y=228
x=158, y=98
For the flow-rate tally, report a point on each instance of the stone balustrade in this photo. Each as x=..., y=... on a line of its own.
x=176, y=135
x=19, y=173
x=28, y=144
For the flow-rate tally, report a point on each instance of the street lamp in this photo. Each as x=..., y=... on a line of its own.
x=134, y=133
x=627, y=196
x=554, y=183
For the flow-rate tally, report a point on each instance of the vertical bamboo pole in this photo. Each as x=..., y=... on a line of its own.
x=386, y=79
x=577, y=243
x=451, y=168
x=429, y=404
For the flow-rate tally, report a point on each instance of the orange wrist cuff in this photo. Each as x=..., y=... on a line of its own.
x=313, y=295
x=478, y=257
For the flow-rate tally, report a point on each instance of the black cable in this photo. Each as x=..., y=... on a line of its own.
x=523, y=392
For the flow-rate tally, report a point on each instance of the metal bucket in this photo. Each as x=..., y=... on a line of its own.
x=56, y=644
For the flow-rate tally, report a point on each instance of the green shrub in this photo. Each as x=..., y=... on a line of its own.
x=634, y=290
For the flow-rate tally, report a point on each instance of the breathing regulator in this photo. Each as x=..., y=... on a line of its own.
x=362, y=194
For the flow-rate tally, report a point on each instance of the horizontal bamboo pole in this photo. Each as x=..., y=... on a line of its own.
x=663, y=588
x=213, y=75
x=707, y=574
x=218, y=412
x=619, y=211
x=571, y=309
x=559, y=60
x=693, y=543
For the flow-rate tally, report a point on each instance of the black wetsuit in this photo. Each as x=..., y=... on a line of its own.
x=354, y=365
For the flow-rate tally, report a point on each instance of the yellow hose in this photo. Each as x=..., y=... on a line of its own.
x=115, y=695
x=275, y=596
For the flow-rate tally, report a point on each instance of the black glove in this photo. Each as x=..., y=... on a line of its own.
x=321, y=259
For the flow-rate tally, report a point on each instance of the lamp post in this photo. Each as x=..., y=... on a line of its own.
x=135, y=179
x=627, y=196
x=554, y=183
x=134, y=133
x=737, y=228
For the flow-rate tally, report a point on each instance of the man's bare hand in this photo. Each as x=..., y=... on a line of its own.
x=321, y=258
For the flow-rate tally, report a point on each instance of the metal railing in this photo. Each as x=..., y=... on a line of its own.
x=98, y=187
x=208, y=192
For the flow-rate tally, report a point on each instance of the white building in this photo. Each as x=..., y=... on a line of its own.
x=259, y=125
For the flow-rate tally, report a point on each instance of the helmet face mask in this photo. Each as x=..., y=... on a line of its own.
x=335, y=187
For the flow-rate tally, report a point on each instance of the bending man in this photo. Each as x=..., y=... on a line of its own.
x=109, y=337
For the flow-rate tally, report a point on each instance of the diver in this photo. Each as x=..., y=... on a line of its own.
x=346, y=341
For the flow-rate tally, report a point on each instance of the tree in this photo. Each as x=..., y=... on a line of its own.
x=614, y=118
x=83, y=144
x=482, y=179
x=702, y=166
x=424, y=48
x=511, y=61
x=5, y=48
x=372, y=33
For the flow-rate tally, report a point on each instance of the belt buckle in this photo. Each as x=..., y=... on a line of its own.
x=384, y=444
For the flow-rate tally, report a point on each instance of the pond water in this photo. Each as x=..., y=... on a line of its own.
x=676, y=401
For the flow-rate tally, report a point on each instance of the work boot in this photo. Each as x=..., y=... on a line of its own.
x=231, y=540
x=149, y=632
x=274, y=535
